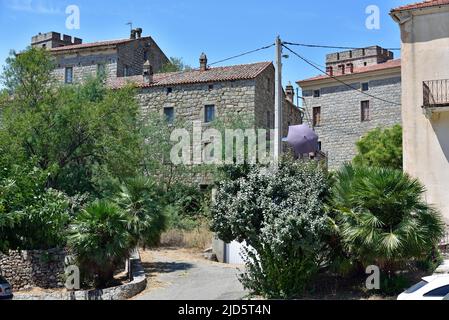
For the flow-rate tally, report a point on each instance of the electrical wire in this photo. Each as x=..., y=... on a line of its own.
x=331, y=47
x=177, y=73
x=339, y=80
x=242, y=54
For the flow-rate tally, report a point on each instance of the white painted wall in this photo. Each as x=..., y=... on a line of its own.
x=425, y=56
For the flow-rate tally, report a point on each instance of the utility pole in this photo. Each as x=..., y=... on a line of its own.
x=278, y=107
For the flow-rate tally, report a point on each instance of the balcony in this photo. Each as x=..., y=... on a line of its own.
x=435, y=96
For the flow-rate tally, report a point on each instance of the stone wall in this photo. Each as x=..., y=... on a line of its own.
x=85, y=66
x=189, y=101
x=38, y=268
x=131, y=54
x=341, y=126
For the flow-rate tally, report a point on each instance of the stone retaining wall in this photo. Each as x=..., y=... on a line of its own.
x=36, y=268
x=123, y=292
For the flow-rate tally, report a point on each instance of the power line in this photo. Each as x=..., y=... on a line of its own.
x=242, y=54
x=336, y=79
x=332, y=47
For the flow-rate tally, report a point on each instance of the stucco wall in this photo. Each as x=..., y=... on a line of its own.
x=425, y=43
x=341, y=126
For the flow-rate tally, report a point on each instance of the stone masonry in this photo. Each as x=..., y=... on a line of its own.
x=38, y=268
x=341, y=124
x=118, y=57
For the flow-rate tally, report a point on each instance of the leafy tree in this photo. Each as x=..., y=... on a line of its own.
x=381, y=217
x=74, y=132
x=146, y=219
x=279, y=212
x=100, y=240
x=381, y=148
x=174, y=65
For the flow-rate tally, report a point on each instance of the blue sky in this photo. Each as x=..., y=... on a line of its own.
x=219, y=28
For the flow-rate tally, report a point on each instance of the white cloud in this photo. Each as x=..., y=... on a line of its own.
x=33, y=6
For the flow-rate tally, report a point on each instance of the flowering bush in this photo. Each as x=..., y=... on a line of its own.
x=280, y=213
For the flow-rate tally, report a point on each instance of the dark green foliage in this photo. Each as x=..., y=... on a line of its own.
x=146, y=219
x=381, y=148
x=100, y=239
x=174, y=65
x=381, y=217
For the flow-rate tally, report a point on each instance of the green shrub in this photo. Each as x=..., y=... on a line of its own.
x=279, y=213
x=381, y=148
x=100, y=240
x=146, y=218
x=381, y=217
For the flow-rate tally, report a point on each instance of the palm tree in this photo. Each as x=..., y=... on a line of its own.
x=100, y=241
x=145, y=219
x=381, y=216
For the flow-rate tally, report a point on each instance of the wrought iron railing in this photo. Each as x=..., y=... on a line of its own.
x=436, y=93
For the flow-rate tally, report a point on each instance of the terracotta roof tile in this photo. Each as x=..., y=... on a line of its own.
x=381, y=66
x=218, y=74
x=92, y=45
x=421, y=5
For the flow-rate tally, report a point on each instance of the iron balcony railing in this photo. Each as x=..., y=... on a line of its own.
x=436, y=93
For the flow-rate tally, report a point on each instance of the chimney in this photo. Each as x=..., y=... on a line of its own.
x=350, y=67
x=203, y=62
x=290, y=92
x=330, y=71
x=139, y=33
x=133, y=34
x=147, y=72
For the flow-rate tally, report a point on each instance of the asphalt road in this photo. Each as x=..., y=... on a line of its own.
x=181, y=277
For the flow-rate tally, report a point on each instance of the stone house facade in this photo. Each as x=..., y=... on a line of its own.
x=243, y=90
x=342, y=115
x=76, y=61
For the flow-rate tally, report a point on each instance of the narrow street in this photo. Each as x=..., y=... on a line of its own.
x=180, y=274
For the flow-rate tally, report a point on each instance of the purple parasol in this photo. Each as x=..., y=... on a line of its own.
x=303, y=139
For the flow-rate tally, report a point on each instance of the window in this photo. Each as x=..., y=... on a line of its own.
x=126, y=71
x=320, y=146
x=316, y=93
x=101, y=69
x=416, y=287
x=169, y=113
x=440, y=292
x=268, y=120
x=145, y=56
x=69, y=75
x=316, y=116
x=169, y=90
x=365, y=112
x=209, y=113
x=211, y=87
x=365, y=86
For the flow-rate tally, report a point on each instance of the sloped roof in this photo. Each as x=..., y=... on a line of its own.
x=91, y=45
x=390, y=64
x=218, y=74
x=422, y=5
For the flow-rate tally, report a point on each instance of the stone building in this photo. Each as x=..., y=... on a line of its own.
x=425, y=94
x=206, y=94
x=342, y=114
x=75, y=60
